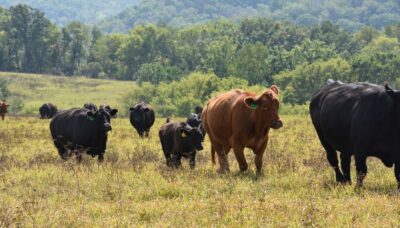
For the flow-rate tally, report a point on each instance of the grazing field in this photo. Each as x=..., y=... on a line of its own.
x=134, y=187
x=66, y=92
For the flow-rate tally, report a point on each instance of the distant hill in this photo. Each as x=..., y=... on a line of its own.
x=64, y=11
x=350, y=14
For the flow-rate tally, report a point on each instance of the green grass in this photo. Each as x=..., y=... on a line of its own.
x=65, y=92
x=133, y=187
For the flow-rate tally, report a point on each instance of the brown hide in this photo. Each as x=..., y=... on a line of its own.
x=3, y=109
x=239, y=119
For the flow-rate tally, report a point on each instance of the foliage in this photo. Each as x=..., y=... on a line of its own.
x=179, y=98
x=4, y=91
x=300, y=83
x=257, y=50
x=17, y=105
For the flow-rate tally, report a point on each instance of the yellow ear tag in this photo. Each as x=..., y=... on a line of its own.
x=183, y=134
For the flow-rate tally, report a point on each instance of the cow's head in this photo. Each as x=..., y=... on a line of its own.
x=90, y=106
x=190, y=135
x=139, y=111
x=267, y=103
x=102, y=118
x=194, y=120
x=43, y=110
x=198, y=110
x=107, y=108
x=394, y=95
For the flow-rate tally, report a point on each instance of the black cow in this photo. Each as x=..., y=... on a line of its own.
x=47, y=111
x=178, y=140
x=359, y=119
x=81, y=130
x=142, y=118
x=90, y=106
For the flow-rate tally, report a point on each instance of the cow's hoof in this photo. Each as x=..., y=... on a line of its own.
x=223, y=171
x=346, y=182
x=244, y=168
x=340, y=179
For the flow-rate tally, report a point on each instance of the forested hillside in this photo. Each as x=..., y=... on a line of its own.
x=351, y=15
x=255, y=51
x=64, y=11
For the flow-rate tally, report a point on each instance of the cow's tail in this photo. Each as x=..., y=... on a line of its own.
x=168, y=120
x=213, y=155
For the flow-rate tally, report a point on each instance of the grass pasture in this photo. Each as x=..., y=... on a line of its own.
x=66, y=92
x=133, y=187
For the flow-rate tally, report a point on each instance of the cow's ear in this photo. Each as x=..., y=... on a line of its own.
x=113, y=112
x=394, y=95
x=131, y=109
x=7, y=105
x=275, y=89
x=251, y=103
x=146, y=109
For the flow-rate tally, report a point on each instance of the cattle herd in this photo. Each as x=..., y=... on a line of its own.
x=355, y=119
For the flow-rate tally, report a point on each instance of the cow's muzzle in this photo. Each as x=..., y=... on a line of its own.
x=107, y=127
x=276, y=124
x=199, y=147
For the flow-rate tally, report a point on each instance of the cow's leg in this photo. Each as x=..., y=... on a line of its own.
x=140, y=133
x=213, y=155
x=345, y=161
x=166, y=151
x=177, y=160
x=239, y=154
x=78, y=156
x=222, y=158
x=333, y=161
x=192, y=160
x=147, y=132
x=258, y=160
x=397, y=174
x=168, y=158
x=2, y=116
x=361, y=168
x=331, y=155
x=101, y=156
x=61, y=150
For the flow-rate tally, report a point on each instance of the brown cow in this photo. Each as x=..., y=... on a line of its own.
x=3, y=109
x=239, y=119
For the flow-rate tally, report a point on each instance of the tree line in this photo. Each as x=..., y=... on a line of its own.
x=259, y=51
x=349, y=14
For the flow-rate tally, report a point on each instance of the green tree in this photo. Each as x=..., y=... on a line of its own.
x=378, y=62
x=302, y=82
x=75, y=46
x=250, y=64
x=145, y=44
x=4, y=92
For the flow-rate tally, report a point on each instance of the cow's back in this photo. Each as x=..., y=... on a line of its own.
x=73, y=126
x=218, y=115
